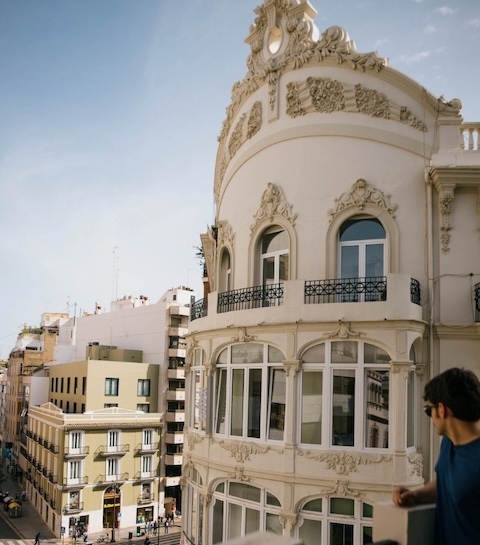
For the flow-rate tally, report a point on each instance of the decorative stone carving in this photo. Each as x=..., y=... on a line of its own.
x=210, y=367
x=344, y=463
x=288, y=520
x=361, y=194
x=193, y=439
x=254, y=122
x=292, y=365
x=236, y=139
x=343, y=331
x=209, y=249
x=446, y=207
x=325, y=95
x=243, y=337
x=225, y=234
x=239, y=475
x=341, y=488
x=242, y=451
x=273, y=203
x=416, y=464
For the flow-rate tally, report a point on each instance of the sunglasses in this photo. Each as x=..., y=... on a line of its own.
x=428, y=410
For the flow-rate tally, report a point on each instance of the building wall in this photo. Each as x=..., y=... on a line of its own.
x=304, y=378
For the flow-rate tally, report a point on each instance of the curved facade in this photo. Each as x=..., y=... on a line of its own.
x=334, y=191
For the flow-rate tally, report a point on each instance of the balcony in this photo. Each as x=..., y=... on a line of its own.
x=248, y=298
x=70, y=508
x=177, y=394
x=52, y=478
x=53, y=448
x=111, y=479
x=173, y=459
x=78, y=482
x=143, y=448
x=175, y=416
x=176, y=373
x=175, y=438
x=78, y=452
x=145, y=475
x=199, y=309
x=53, y=503
x=146, y=498
x=396, y=296
x=117, y=450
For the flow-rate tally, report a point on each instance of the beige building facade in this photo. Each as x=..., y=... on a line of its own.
x=344, y=271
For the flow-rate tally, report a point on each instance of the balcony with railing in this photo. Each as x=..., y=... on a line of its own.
x=74, y=507
x=76, y=452
x=396, y=296
x=145, y=475
x=75, y=482
x=146, y=498
x=469, y=136
x=115, y=450
x=109, y=479
x=143, y=448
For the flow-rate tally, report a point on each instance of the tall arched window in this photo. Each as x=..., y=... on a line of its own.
x=225, y=272
x=274, y=256
x=361, y=248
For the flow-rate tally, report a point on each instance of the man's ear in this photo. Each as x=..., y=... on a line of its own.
x=442, y=410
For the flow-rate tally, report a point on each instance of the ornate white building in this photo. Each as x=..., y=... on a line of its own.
x=343, y=270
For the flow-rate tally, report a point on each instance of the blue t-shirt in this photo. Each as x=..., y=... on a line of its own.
x=457, y=518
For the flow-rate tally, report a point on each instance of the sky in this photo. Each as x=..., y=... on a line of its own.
x=110, y=112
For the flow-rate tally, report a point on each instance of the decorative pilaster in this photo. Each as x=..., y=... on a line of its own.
x=446, y=195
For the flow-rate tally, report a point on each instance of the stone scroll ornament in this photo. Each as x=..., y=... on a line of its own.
x=273, y=203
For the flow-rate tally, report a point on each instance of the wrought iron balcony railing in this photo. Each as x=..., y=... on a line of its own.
x=477, y=302
x=71, y=482
x=112, y=479
x=146, y=498
x=116, y=450
x=199, y=309
x=346, y=290
x=249, y=298
x=415, y=295
x=76, y=452
x=74, y=507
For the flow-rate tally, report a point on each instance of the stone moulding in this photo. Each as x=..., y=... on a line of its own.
x=344, y=463
x=241, y=451
x=273, y=203
x=192, y=439
x=360, y=194
x=416, y=464
x=324, y=95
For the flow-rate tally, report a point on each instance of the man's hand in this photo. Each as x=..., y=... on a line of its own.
x=403, y=497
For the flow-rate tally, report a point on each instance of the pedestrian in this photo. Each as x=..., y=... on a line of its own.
x=453, y=403
x=37, y=539
x=155, y=528
x=166, y=526
x=147, y=541
x=85, y=536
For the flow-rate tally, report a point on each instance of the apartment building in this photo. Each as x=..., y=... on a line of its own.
x=344, y=271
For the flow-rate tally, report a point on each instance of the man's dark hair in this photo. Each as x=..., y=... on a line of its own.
x=459, y=390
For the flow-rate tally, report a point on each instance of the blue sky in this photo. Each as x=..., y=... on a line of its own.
x=110, y=112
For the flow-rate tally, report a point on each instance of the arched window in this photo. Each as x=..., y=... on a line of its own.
x=274, y=256
x=250, y=392
x=193, y=507
x=343, y=383
x=240, y=509
x=361, y=248
x=225, y=272
x=197, y=415
x=332, y=520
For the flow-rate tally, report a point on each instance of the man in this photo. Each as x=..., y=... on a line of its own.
x=453, y=403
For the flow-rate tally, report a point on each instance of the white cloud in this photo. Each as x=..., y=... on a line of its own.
x=446, y=10
x=430, y=29
x=474, y=22
x=416, y=57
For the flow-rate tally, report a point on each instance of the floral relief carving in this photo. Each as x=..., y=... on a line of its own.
x=254, y=122
x=193, y=439
x=344, y=463
x=342, y=488
x=273, y=203
x=371, y=102
x=288, y=520
x=361, y=194
x=225, y=234
x=343, y=331
x=242, y=451
x=416, y=464
x=294, y=100
x=239, y=475
x=292, y=365
x=326, y=94
x=446, y=208
x=236, y=138
x=243, y=336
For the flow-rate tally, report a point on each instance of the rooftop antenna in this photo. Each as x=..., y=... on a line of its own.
x=115, y=274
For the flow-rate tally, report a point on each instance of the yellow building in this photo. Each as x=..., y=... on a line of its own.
x=96, y=467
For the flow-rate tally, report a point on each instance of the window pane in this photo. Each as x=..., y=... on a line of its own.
x=222, y=357
x=245, y=491
x=374, y=260
x=341, y=534
x=365, y=229
x=252, y=520
x=375, y=354
x=283, y=264
x=272, y=500
x=221, y=401
x=275, y=355
x=217, y=527
x=268, y=270
x=236, y=419
x=349, y=262
x=342, y=506
x=376, y=411
x=310, y=532
x=367, y=510
x=234, y=521
x=277, y=388
x=313, y=505
x=316, y=354
x=411, y=409
x=254, y=402
x=344, y=352
x=367, y=532
x=247, y=353
x=274, y=242
x=343, y=417
x=273, y=524
x=312, y=395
